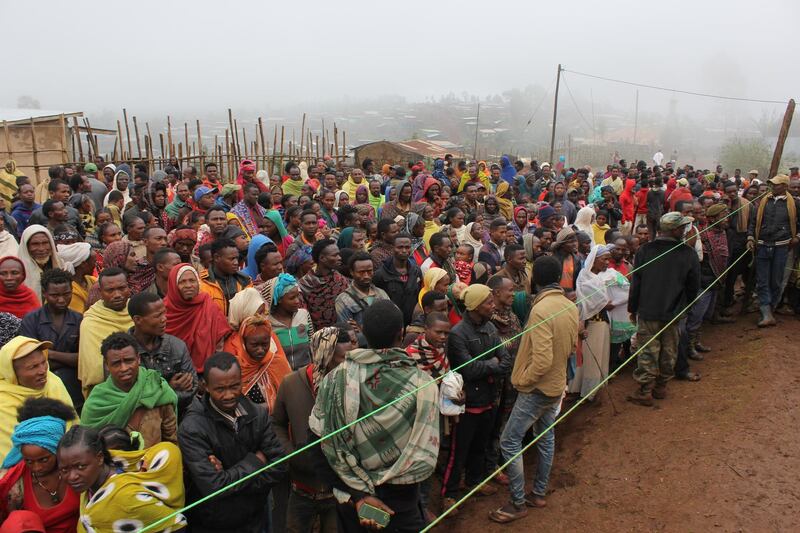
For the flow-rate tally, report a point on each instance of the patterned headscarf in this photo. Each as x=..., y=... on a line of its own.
x=284, y=283
x=323, y=346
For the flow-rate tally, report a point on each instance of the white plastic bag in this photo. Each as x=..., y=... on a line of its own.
x=449, y=389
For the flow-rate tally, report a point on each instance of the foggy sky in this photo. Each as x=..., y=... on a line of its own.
x=180, y=55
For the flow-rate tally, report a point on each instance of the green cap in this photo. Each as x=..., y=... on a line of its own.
x=229, y=188
x=673, y=220
x=90, y=167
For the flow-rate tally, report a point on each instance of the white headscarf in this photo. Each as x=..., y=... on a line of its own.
x=32, y=269
x=338, y=195
x=591, y=288
x=244, y=304
x=74, y=254
x=584, y=219
x=114, y=188
x=8, y=244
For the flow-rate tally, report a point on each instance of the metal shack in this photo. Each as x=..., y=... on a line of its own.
x=404, y=152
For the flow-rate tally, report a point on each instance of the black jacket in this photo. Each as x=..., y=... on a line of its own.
x=466, y=342
x=662, y=289
x=776, y=227
x=204, y=432
x=402, y=293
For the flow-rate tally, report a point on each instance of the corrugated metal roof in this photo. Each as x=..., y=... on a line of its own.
x=14, y=115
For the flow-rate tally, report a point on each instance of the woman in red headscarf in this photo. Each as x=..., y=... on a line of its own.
x=192, y=316
x=15, y=297
x=261, y=359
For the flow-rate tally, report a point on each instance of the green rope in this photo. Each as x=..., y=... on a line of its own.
x=571, y=409
x=402, y=397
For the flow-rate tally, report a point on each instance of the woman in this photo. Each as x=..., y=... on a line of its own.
x=15, y=297
x=327, y=211
x=300, y=263
x=24, y=374
x=435, y=279
x=158, y=205
x=352, y=237
x=340, y=198
x=251, y=265
x=600, y=226
x=432, y=194
x=120, y=183
x=8, y=244
x=593, y=304
x=503, y=195
x=261, y=359
x=247, y=302
x=455, y=219
x=491, y=209
x=520, y=224
x=107, y=233
x=116, y=500
x=415, y=227
x=431, y=226
x=276, y=231
x=362, y=204
x=37, y=251
x=121, y=254
x=584, y=220
x=401, y=206
x=290, y=322
x=474, y=238
x=376, y=199
x=192, y=316
x=32, y=481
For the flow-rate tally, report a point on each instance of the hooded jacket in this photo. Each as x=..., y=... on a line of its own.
x=402, y=293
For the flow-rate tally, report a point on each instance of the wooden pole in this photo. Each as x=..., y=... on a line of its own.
x=92, y=136
x=785, y=125
x=148, y=150
x=121, y=146
x=63, y=122
x=230, y=123
x=477, y=125
x=344, y=146
x=200, y=148
x=335, y=141
x=8, y=140
x=136, y=134
x=180, y=151
x=235, y=140
x=274, y=150
x=227, y=152
x=186, y=138
x=302, y=134
x=280, y=161
x=127, y=132
x=35, y=151
x=169, y=137
x=114, y=153
x=161, y=141
x=555, y=116
x=244, y=142
x=78, y=137
x=323, y=148
x=264, y=149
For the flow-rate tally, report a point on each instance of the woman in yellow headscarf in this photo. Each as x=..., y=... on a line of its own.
x=435, y=279
x=24, y=374
x=503, y=196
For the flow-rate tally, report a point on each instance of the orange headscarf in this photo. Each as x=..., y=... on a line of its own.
x=266, y=373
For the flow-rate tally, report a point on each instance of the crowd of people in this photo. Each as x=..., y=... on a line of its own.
x=166, y=335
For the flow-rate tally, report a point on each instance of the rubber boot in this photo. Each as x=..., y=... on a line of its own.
x=642, y=396
x=702, y=348
x=660, y=391
x=766, y=317
x=692, y=353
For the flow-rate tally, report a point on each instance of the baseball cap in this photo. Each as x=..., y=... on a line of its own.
x=202, y=191
x=673, y=220
x=90, y=167
x=230, y=188
x=780, y=179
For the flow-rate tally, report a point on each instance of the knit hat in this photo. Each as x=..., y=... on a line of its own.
x=673, y=220
x=475, y=295
x=229, y=188
x=715, y=209
x=90, y=168
x=546, y=211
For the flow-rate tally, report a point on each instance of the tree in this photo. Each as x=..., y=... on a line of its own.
x=28, y=102
x=746, y=154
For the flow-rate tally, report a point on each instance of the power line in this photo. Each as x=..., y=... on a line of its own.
x=571, y=97
x=740, y=99
x=540, y=104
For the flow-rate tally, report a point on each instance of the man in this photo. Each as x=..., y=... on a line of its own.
x=400, y=277
x=204, y=198
x=56, y=323
x=658, y=157
x=166, y=354
x=643, y=233
x=492, y=252
x=225, y=437
x=660, y=290
x=475, y=341
x=249, y=213
x=308, y=233
x=352, y=184
x=217, y=223
x=614, y=181
x=514, y=268
x=155, y=239
x=134, y=228
x=432, y=302
x=565, y=249
x=211, y=176
x=362, y=293
x=470, y=206
x=441, y=251
x=228, y=196
x=132, y=397
x=619, y=256
x=107, y=316
x=222, y=280
x=55, y=213
x=163, y=261
x=24, y=208
x=59, y=191
x=270, y=263
x=772, y=231
x=383, y=248
x=322, y=285
x=539, y=376
x=310, y=497
x=381, y=460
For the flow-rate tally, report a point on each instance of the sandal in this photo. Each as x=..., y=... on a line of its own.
x=535, y=501
x=688, y=376
x=508, y=513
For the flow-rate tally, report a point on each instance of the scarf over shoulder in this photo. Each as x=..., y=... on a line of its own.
x=98, y=323
x=20, y=301
x=398, y=445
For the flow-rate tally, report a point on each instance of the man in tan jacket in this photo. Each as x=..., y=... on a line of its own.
x=539, y=375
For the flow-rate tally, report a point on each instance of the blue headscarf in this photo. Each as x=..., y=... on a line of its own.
x=42, y=431
x=388, y=191
x=282, y=284
x=251, y=268
x=438, y=172
x=300, y=257
x=507, y=170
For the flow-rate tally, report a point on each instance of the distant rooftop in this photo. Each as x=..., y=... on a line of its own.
x=11, y=114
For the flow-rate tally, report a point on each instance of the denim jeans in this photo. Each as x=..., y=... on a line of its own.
x=302, y=512
x=770, y=266
x=530, y=410
x=699, y=310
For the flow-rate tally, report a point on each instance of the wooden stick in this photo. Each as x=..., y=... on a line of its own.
x=35, y=151
x=121, y=146
x=228, y=152
x=127, y=131
x=280, y=161
x=344, y=145
x=169, y=137
x=64, y=155
x=274, y=150
x=244, y=142
x=235, y=140
x=78, y=136
x=200, y=147
x=136, y=133
x=186, y=137
x=784, y=132
x=263, y=146
x=230, y=123
x=114, y=154
x=92, y=136
x=302, y=133
x=180, y=151
x=335, y=140
x=161, y=140
x=317, y=137
x=8, y=140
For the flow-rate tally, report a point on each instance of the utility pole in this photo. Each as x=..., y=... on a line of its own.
x=477, y=125
x=778, y=154
x=636, y=117
x=555, y=115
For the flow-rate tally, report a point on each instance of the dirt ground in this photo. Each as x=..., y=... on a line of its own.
x=722, y=454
